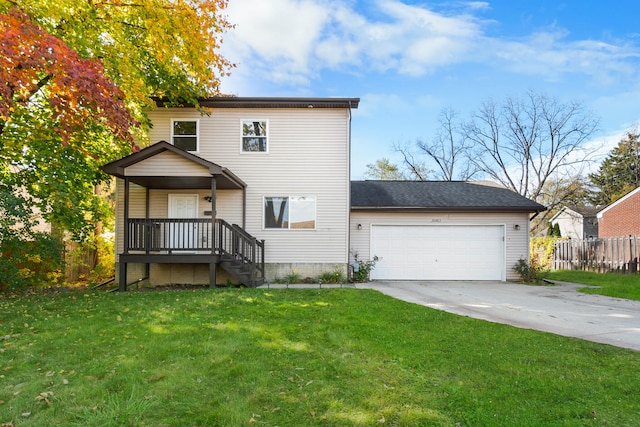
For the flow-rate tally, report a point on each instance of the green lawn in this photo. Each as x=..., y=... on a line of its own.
x=614, y=285
x=291, y=357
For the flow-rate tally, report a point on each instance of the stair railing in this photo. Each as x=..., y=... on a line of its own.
x=242, y=248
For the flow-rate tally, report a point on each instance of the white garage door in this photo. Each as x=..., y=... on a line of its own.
x=438, y=252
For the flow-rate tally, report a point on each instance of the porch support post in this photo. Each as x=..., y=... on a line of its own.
x=122, y=277
x=214, y=263
x=122, y=268
x=213, y=198
x=147, y=232
x=212, y=274
x=244, y=207
x=126, y=216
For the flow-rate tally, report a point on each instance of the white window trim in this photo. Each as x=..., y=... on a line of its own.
x=315, y=214
x=266, y=136
x=186, y=119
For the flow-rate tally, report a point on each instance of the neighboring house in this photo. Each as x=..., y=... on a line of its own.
x=278, y=168
x=440, y=230
x=260, y=188
x=622, y=217
x=577, y=222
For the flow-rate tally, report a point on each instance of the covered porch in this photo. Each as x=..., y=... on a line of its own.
x=186, y=237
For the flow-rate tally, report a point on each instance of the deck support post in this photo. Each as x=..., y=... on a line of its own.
x=212, y=274
x=122, y=277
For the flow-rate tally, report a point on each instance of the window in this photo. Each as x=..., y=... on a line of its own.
x=184, y=134
x=290, y=212
x=254, y=136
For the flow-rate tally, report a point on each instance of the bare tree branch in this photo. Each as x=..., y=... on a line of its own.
x=416, y=169
x=528, y=141
x=449, y=150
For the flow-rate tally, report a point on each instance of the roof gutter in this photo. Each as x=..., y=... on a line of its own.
x=409, y=209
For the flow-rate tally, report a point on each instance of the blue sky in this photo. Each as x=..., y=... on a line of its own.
x=408, y=60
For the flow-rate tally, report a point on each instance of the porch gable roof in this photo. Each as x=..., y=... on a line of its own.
x=225, y=179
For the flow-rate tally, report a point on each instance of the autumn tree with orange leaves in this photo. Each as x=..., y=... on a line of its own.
x=76, y=76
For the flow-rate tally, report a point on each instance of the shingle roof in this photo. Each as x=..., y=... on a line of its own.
x=271, y=102
x=586, y=211
x=437, y=196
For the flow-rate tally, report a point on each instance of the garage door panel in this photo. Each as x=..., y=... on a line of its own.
x=438, y=252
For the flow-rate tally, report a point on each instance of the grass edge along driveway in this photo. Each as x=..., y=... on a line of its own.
x=267, y=357
x=616, y=285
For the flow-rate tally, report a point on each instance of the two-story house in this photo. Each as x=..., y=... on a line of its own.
x=213, y=188
x=259, y=188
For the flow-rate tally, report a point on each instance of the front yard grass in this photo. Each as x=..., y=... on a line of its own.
x=610, y=284
x=293, y=357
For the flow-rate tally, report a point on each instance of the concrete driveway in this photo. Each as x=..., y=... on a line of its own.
x=559, y=309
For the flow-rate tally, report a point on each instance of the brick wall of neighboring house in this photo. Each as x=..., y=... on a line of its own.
x=622, y=218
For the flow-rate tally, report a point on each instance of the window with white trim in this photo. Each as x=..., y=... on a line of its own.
x=184, y=134
x=293, y=213
x=254, y=136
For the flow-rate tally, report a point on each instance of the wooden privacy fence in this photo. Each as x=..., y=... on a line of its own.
x=602, y=255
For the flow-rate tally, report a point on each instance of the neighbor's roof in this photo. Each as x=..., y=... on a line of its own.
x=269, y=102
x=586, y=211
x=583, y=211
x=437, y=196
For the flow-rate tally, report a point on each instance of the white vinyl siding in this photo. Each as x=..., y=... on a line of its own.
x=167, y=164
x=308, y=153
x=516, y=241
x=228, y=205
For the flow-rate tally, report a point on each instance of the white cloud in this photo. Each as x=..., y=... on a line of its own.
x=296, y=38
x=372, y=103
x=275, y=37
x=291, y=41
x=548, y=54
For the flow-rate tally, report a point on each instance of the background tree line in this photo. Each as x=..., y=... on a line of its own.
x=77, y=75
x=534, y=145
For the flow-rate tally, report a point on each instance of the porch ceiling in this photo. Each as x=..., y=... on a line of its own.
x=225, y=179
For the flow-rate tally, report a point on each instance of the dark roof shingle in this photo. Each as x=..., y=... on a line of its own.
x=437, y=196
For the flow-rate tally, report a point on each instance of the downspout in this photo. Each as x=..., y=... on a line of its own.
x=348, y=189
x=148, y=227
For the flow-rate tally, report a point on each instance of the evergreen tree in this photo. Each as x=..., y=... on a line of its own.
x=619, y=173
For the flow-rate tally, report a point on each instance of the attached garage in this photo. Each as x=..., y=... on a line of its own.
x=438, y=252
x=439, y=230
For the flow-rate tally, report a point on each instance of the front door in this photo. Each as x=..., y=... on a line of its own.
x=183, y=235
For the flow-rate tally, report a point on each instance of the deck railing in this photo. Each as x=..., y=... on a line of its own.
x=170, y=234
x=230, y=243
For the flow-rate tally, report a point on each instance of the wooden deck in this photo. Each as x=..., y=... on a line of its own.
x=193, y=241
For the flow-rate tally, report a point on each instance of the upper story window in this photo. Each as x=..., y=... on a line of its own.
x=254, y=136
x=184, y=134
x=290, y=212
